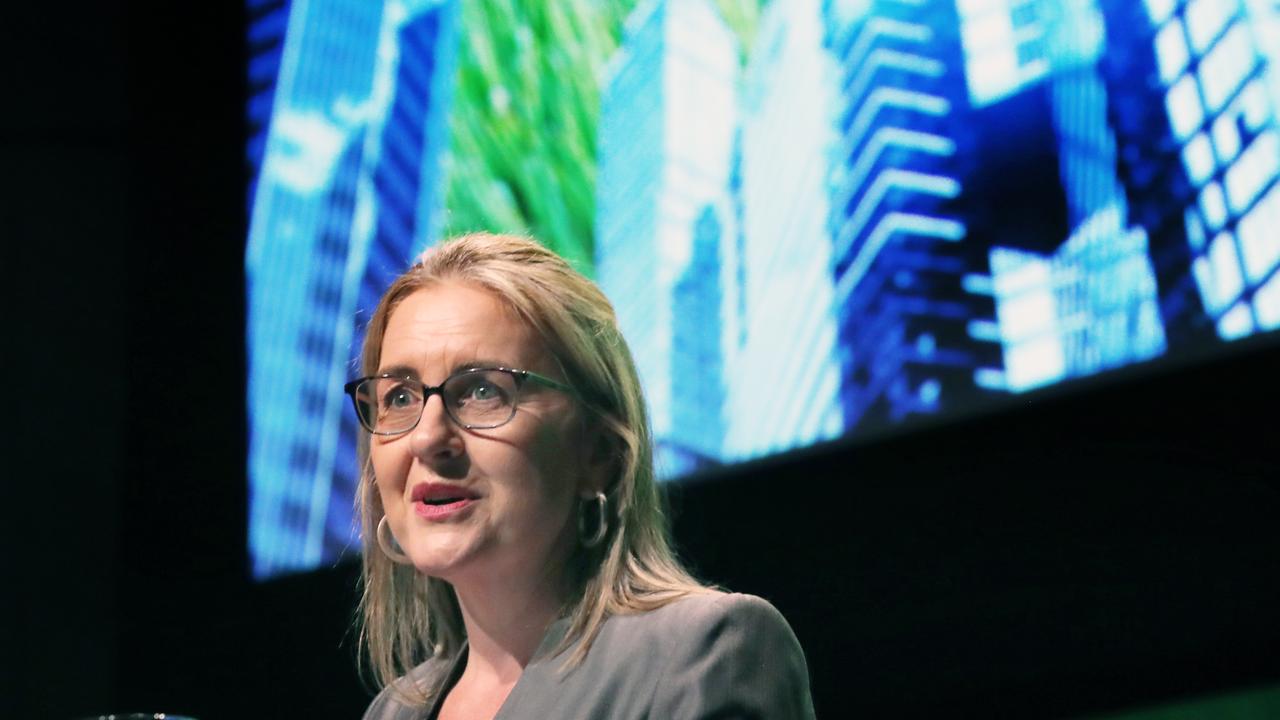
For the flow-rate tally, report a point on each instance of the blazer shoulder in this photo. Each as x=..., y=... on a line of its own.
x=673, y=622
x=736, y=654
x=716, y=608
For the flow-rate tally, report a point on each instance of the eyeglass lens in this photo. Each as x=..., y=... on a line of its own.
x=478, y=398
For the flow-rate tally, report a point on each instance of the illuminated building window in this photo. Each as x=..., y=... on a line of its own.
x=1225, y=265
x=1185, y=110
x=1159, y=10
x=1205, y=21
x=1213, y=205
x=1259, y=165
x=1225, y=67
x=1197, y=156
x=1266, y=303
x=1236, y=322
x=1258, y=231
x=1171, y=51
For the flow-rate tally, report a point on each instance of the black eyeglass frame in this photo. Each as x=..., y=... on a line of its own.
x=519, y=377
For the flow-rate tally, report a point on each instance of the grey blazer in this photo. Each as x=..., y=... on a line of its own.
x=709, y=656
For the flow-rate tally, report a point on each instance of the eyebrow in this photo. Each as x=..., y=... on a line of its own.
x=409, y=371
x=397, y=371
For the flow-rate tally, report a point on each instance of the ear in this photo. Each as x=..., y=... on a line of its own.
x=598, y=459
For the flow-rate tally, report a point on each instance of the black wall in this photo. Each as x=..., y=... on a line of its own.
x=1100, y=547
x=1091, y=548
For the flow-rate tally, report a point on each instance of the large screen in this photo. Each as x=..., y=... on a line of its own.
x=814, y=217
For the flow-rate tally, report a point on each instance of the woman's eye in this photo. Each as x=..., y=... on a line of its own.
x=398, y=398
x=484, y=391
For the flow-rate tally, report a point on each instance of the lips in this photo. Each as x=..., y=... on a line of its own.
x=442, y=494
x=440, y=502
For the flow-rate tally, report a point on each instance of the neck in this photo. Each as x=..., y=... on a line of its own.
x=506, y=618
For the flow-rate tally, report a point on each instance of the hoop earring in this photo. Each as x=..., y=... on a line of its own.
x=390, y=547
x=602, y=527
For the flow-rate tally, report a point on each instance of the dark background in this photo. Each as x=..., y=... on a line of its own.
x=1104, y=545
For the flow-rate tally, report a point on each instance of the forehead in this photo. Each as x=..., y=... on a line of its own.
x=440, y=328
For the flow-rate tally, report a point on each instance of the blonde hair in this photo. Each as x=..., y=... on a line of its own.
x=408, y=618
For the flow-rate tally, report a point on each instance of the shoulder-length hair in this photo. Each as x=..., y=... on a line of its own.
x=409, y=618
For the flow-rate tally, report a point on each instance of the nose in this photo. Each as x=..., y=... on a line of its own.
x=436, y=437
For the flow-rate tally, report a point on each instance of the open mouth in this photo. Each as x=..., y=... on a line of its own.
x=442, y=505
x=444, y=500
x=436, y=494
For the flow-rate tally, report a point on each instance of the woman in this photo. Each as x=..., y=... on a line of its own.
x=521, y=567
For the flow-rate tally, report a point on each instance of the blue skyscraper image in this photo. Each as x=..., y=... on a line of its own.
x=882, y=210
x=1200, y=152
x=697, y=356
x=352, y=149
x=782, y=354
x=911, y=276
x=268, y=22
x=1077, y=303
x=665, y=142
x=1087, y=307
x=408, y=179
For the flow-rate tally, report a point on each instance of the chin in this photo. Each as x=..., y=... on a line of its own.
x=430, y=558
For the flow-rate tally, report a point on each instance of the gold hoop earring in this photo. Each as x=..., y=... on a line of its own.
x=390, y=547
x=602, y=526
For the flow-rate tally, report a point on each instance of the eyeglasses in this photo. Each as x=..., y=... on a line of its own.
x=476, y=399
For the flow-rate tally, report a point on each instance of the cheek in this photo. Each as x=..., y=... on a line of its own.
x=556, y=456
x=390, y=465
x=537, y=475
